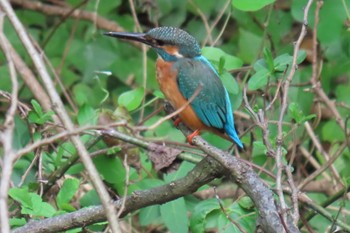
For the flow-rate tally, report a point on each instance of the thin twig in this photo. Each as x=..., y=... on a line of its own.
x=319, y=147
x=316, y=85
x=40, y=173
x=313, y=161
x=48, y=9
x=127, y=174
x=275, y=96
x=260, y=121
x=217, y=19
x=205, y=22
x=294, y=196
x=29, y=78
x=6, y=136
x=279, y=142
x=25, y=174
x=319, y=171
x=58, y=136
x=61, y=112
x=240, y=228
x=144, y=59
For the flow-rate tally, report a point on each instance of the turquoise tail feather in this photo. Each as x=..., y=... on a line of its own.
x=231, y=132
x=229, y=125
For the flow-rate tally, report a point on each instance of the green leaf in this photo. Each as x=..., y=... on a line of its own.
x=17, y=222
x=40, y=208
x=244, y=217
x=103, y=7
x=259, y=149
x=66, y=193
x=146, y=184
x=175, y=210
x=332, y=132
x=246, y=203
x=158, y=94
x=249, y=45
x=296, y=112
x=35, y=118
x=87, y=115
x=150, y=215
x=21, y=134
x=90, y=198
x=80, y=92
x=31, y=203
x=131, y=99
x=112, y=171
x=218, y=56
x=181, y=172
x=113, y=150
x=250, y=5
x=260, y=65
x=269, y=59
x=282, y=61
x=199, y=215
x=258, y=80
x=21, y=195
x=301, y=56
x=37, y=107
x=230, y=83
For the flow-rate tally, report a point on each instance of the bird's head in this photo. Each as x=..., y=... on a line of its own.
x=169, y=42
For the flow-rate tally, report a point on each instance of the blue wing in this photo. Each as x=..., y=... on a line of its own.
x=212, y=105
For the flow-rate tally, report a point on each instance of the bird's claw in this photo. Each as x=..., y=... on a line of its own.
x=192, y=135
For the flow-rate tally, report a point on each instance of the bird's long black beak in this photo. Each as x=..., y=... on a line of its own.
x=139, y=37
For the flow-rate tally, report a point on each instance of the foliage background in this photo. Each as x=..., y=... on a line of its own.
x=251, y=46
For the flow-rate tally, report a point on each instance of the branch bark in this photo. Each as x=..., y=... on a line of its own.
x=205, y=171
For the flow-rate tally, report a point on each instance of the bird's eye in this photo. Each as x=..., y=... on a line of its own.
x=159, y=42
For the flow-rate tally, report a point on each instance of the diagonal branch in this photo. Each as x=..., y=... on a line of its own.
x=6, y=135
x=205, y=171
x=63, y=115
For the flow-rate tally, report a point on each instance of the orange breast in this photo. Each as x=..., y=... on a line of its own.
x=166, y=77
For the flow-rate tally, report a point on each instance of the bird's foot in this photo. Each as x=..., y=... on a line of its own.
x=192, y=135
x=177, y=121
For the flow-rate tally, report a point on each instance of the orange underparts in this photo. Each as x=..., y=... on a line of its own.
x=192, y=135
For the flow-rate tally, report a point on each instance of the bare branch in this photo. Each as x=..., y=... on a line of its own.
x=6, y=136
x=61, y=112
x=204, y=172
x=279, y=143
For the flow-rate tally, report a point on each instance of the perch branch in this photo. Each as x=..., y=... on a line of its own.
x=205, y=171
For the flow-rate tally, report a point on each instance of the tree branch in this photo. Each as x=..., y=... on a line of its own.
x=205, y=171
x=61, y=112
x=6, y=136
x=279, y=141
x=47, y=9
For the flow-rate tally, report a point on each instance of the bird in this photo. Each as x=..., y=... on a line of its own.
x=182, y=72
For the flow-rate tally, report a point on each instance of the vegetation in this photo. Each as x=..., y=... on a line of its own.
x=82, y=119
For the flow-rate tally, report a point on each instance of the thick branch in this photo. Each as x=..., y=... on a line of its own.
x=205, y=171
x=269, y=216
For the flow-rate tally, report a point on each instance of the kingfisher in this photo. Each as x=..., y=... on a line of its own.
x=183, y=74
